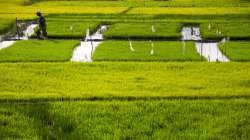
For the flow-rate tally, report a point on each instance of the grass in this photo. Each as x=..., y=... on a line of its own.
x=37, y=50
x=161, y=119
x=144, y=31
x=234, y=30
x=237, y=51
x=163, y=51
x=123, y=80
x=70, y=29
x=191, y=10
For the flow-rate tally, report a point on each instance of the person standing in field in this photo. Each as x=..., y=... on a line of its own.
x=42, y=26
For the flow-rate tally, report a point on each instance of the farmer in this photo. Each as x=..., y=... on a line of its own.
x=42, y=26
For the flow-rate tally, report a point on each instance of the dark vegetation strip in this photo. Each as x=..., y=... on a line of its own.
x=126, y=11
x=120, y=98
x=110, y=18
x=148, y=60
x=155, y=38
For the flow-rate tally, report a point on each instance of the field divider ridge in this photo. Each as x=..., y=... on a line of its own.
x=119, y=98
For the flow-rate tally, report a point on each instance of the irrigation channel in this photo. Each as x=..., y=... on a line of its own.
x=28, y=32
x=84, y=52
x=209, y=50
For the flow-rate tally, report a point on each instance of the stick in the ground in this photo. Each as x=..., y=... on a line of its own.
x=152, y=47
x=183, y=47
x=131, y=46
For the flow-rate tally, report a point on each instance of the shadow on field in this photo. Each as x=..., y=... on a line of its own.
x=161, y=119
x=125, y=98
x=43, y=121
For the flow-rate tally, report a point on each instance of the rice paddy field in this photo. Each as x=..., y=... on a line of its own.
x=127, y=120
x=146, y=51
x=124, y=80
x=234, y=30
x=72, y=29
x=190, y=10
x=144, y=31
x=29, y=51
x=144, y=81
x=148, y=3
x=236, y=51
x=5, y=25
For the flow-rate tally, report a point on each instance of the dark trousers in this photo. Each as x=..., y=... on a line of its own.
x=41, y=31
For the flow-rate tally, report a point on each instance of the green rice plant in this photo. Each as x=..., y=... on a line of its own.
x=234, y=30
x=123, y=80
x=141, y=51
x=144, y=31
x=6, y=25
x=146, y=119
x=37, y=50
x=70, y=29
x=137, y=19
x=236, y=51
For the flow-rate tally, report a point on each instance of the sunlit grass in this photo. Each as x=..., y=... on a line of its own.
x=123, y=80
x=31, y=16
x=61, y=10
x=191, y=10
x=147, y=3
